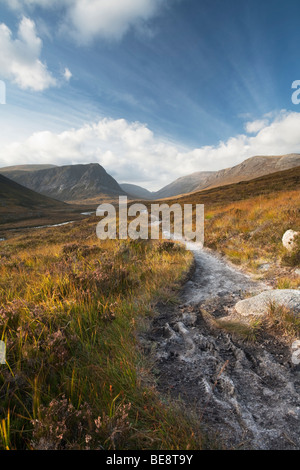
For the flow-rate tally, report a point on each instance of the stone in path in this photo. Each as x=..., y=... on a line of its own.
x=259, y=304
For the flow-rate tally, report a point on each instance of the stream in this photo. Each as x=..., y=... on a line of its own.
x=46, y=226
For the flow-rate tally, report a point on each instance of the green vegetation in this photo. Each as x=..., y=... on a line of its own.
x=282, y=321
x=76, y=376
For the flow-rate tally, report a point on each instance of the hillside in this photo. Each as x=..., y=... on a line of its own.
x=185, y=184
x=70, y=183
x=20, y=205
x=251, y=168
x=13, y=195
x=136, y=191
x=288, y=180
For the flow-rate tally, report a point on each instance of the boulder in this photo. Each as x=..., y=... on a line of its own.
x=288, y=239
x=259, y=304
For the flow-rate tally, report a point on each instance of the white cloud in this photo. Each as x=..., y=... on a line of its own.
x=255, y=126
x=107, y=18
x=67, y=74
x=132, y=153
x=87, y=19
x=20, y=57
x=19, y=4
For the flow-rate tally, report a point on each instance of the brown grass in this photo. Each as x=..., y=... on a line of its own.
x=76, y=377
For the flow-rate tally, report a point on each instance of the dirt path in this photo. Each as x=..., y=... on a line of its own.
x=248, y=393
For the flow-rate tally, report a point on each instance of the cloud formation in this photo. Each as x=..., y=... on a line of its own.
x=87, y=19
x=255, y=126
x=67, y=74
x=20, y=57
x=132, y=153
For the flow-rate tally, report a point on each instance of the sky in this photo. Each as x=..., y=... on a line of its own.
x=150, y=89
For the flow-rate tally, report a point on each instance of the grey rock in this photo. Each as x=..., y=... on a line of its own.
x=259, y=304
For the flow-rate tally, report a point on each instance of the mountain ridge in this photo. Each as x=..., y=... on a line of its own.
x=91, y=183
x=251, y=168
x=69, y=183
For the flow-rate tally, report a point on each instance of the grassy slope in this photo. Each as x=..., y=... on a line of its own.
x=71, y=308
x=246, y=222
x=20, y=207
x=13, y=195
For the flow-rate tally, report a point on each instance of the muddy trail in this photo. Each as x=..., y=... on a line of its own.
x=245, y=392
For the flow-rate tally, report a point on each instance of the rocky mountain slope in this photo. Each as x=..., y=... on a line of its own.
x=287, y=180
x=70, y=183
x=251, y=168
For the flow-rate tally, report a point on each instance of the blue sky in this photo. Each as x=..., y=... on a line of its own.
x=151, y=89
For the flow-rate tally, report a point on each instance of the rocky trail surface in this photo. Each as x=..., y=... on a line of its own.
x=248, y=393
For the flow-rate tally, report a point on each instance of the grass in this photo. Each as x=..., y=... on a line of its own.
x=250, y=232
x=248, y=332
x=246, y=221
x=71, y=310
x=282, y=321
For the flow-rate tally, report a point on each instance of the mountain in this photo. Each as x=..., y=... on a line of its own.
x=281, y=181
x=253, y=167
x=185, y=184
x=136, y=191
x=91, y=184
x=14, y=195
x=71, y=183
x=182, y=185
